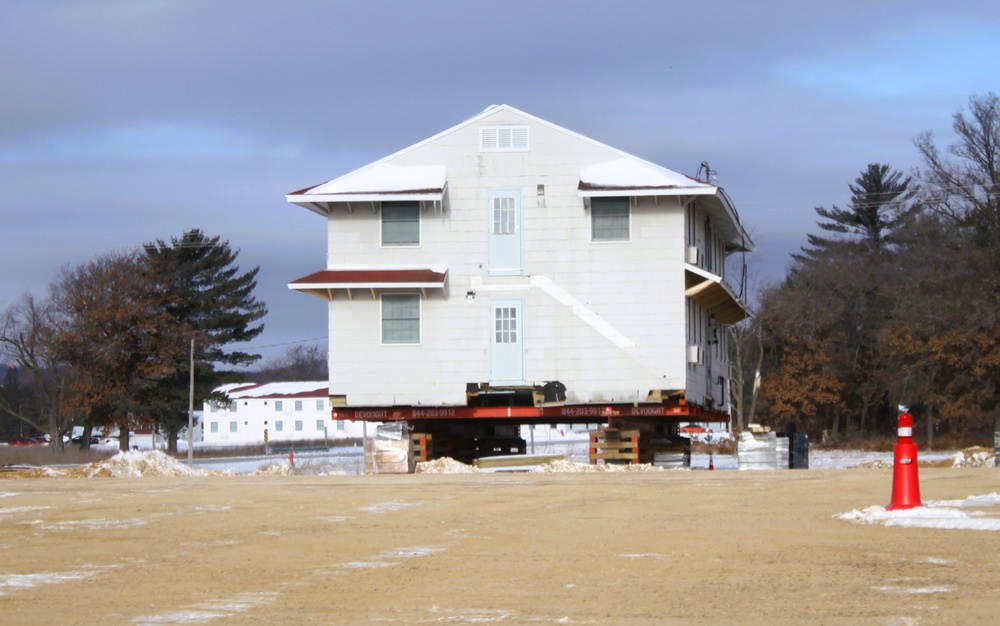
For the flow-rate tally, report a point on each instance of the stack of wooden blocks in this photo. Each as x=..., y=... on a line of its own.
x=391, y=451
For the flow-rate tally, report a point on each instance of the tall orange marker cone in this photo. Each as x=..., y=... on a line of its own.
x=905, y=482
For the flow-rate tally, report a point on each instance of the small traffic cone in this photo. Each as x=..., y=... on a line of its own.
x=905, y=481
x=711, y=462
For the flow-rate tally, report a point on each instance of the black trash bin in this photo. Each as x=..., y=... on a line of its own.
x=798, y=451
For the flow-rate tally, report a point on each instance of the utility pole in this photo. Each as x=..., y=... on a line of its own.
x=191, y=411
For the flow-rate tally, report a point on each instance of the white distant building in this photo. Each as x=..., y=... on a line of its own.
x=508, y=270
x=289, y=412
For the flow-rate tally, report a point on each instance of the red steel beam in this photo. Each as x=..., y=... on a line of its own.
x=553, y=413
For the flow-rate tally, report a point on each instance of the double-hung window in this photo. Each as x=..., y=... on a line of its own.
x=400, y=223
x=609, y=219
x=400, y=318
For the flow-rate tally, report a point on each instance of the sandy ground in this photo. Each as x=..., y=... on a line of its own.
x=682, y=547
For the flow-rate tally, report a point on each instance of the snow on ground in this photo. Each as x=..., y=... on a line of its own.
x=445, y=465
x=942, y=514
x=349, y=461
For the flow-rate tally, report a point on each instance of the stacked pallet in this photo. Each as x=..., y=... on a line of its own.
x=391, y=451
x=617, y=446
x=423, y=447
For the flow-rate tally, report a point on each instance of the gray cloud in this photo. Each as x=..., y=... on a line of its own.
x=124, y=121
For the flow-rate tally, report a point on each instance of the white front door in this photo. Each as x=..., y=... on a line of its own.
x=504, y=216
x=506, y=342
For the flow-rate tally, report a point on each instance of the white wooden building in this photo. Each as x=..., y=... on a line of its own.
x=289, y=412
x=507, y=257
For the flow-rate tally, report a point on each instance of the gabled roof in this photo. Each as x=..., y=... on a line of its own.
x=627, y=175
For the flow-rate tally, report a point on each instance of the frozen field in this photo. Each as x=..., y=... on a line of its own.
x=146, y=540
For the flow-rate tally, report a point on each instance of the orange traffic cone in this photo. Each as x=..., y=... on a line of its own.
x=905, y=482
x=711, y=463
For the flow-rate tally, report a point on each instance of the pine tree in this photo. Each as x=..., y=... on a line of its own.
x=216, y=303
x=880, y=202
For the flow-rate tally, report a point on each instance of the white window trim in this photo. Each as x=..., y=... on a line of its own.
x=420, y=321
x=393, y=246
x=611, y=241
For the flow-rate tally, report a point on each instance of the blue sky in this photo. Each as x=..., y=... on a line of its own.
x=122, y=122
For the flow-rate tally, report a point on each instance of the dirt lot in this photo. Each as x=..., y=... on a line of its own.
x=692, y=547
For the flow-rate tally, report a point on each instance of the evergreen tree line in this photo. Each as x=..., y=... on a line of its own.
x=112, y=344
x=895, y=303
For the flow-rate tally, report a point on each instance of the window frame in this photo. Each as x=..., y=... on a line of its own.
x=400, y=204
x=604, y=204
x=383, y=319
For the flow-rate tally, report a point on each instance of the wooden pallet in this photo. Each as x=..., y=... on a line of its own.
x=423, y=447
x=610, y=444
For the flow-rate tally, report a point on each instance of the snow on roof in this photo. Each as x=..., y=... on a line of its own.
x=309, y=389
x=635, y=174
x=383, y=179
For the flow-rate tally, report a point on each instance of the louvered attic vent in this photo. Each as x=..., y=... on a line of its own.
x=503, y=138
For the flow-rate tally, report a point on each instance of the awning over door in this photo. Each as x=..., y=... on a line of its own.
x=325, y=282
x=713, y=295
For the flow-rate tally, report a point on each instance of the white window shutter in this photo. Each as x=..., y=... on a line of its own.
x=519, y=138
x=503, y=138
x=488, y=138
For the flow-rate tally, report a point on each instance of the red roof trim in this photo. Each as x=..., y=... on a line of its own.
x=364, y=277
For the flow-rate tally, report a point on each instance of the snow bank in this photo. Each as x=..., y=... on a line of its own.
x=134, y=464
x=945, y=514
x=973, y=457
x=278, y=469
x=445, y=465
x=568, y=467
x=448, y=465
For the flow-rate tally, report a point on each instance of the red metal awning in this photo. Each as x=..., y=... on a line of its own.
x=325, y=282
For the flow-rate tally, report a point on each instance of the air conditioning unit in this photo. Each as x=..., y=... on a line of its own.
x=695, y=355
x=692, y=255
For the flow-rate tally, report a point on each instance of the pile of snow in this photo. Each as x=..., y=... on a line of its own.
x=445, y=465
x=569, y=467
x=970, y=457
x=749, y=442
x=134, y=464
x=278, y=469
x=874, y=464
x=944, y=514
x=973, y=457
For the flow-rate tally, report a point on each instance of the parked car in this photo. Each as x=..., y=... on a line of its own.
x=26, y=441
x=94, y=441
x=691, y=429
